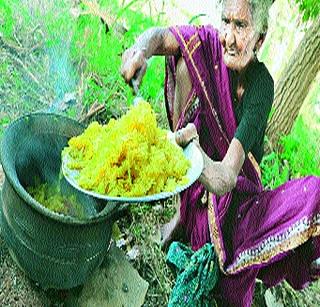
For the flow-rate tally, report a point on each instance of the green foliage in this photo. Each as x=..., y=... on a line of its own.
x=6, y=20
x=58, y=25
x=301, y=150
x=75, y=45
x=309, y=8
x=274, y=171
x=4, y=121
x=196, y=19
x=12, y=13
x=299, y=157
x=8, y=12
x=101, y=48
x=153, y=82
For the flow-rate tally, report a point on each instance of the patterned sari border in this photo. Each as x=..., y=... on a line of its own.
x=191, y=39
x=201, y=81
x=195, y=47
x=291, y=238
x=213, y=225
x=214, y=233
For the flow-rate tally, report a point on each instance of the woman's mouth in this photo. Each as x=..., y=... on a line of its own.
x=231, y=52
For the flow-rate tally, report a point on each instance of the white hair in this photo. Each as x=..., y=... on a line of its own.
x=260, y=13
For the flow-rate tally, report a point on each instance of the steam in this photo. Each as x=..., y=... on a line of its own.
x=62, y=75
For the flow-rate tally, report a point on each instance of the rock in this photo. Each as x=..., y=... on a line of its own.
x=133, y=253
x=115, y=283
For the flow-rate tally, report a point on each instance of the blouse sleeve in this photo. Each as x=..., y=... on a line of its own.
x=257, y=106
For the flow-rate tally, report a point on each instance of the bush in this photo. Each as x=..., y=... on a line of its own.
x=300, y=156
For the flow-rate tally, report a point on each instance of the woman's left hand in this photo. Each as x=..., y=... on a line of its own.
x=186, y=135
x=218, y=177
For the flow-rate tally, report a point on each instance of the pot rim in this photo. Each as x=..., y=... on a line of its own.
x=24, y=195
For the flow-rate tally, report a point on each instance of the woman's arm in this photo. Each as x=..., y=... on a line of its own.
x=221, y=177
x=154, y=41
x=218, y=177
x=157, y=41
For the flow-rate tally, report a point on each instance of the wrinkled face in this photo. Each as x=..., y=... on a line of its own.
x=237, y=34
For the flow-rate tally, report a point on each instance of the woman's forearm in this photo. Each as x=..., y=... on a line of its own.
x=157, y=41
x=221, y=177
x=217, y=177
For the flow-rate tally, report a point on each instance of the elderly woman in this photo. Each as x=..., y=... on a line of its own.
x=219, y=95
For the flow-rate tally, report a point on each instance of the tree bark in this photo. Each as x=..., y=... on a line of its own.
x=294, y=84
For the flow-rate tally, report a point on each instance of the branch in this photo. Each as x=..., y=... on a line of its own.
x=95, y=109
x=17, y=48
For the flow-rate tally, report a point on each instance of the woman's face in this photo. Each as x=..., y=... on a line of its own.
x=237, y=34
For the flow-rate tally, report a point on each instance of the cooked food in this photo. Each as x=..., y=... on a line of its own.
x=128, y=157
x=50, y=196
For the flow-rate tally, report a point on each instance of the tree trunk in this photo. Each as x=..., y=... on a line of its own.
x=294, y=84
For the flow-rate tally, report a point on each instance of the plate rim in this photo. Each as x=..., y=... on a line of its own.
x=197, y=168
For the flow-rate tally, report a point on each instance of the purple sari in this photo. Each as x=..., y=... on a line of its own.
x=272, y=235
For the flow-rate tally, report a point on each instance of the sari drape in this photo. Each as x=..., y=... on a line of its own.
x=256, y=233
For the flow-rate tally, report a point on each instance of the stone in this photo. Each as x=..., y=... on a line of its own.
x=116, y=284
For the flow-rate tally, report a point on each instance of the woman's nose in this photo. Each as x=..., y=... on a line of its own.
x=229, y=36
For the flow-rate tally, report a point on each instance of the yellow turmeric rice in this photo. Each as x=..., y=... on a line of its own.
x=128, y=157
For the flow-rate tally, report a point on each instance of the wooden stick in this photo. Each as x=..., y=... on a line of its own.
x=95, y=109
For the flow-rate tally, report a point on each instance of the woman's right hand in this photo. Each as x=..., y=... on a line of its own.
x=154, y=41
x=134, y=65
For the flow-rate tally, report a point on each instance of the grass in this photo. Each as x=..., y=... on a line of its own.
x=152, y=264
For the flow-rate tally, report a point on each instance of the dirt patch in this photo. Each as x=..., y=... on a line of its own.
x=15, y=288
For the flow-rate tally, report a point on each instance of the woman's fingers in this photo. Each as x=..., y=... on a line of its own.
x=185, y=135
x=128, y=65
x=140, y=73
x=134, y=65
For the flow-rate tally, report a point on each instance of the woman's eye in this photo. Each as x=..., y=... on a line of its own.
x=225, y=20
x=240, y=25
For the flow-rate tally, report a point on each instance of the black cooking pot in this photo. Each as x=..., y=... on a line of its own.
x=58, y=251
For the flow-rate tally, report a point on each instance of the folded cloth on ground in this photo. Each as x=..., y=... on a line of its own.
x=197, y=274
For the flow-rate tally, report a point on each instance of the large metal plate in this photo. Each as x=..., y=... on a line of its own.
x=191, y=152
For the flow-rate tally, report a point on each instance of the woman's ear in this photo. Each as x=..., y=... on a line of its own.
x=260, y=41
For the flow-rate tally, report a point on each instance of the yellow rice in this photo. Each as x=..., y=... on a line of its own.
x=128, y=157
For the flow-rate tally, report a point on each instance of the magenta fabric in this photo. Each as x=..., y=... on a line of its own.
x=269, y=234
